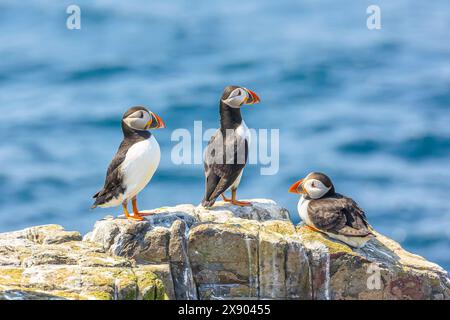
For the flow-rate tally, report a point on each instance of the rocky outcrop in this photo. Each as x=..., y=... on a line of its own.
x=47, y=262
x=227, y=252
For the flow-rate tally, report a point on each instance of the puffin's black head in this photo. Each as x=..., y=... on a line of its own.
x=139, y=118
x=236, y=97
x=316, y=185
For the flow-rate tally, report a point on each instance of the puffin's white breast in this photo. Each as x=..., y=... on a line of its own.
x=237, y=181
x=141, y=161
x=243, y=132
x=302, y=209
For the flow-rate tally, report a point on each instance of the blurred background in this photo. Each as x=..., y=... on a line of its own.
x=371, y=108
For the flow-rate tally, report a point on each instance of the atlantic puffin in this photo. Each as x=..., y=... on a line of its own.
x=227, y=150
x=134, y=164
x=324, y=210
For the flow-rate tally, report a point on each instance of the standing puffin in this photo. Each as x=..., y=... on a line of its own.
x=134, y=164
x=324, y=210
x=227, y=150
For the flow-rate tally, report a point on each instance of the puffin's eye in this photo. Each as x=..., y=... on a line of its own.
x=141, y=115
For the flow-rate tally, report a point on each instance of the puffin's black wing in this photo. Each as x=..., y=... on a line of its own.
x=340, y=215
x=113, y=181
x=221, y=167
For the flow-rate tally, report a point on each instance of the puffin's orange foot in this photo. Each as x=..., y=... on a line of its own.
x=144, y=214
x=241, y=203
x=226, y=199
x=312, y=228
x=136, y=218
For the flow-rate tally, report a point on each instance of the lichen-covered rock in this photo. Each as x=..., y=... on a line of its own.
x=159, y=240
x=381, y=269
x=48, y=262
x=218, y=252
x=226, y=252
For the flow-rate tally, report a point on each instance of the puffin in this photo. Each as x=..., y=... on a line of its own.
x=134, y=163
x=227, y=150
x=323, y=210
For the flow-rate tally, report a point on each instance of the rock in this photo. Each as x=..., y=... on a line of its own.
x=227, y=252
x=381, y=269
x=51, y=234
x=224, y=260
x=47, y=262
x=179, y=262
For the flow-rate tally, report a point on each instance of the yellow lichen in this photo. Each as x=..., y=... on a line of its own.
x=151, y=287
x=10, y=276
x=97, y=295
x=333, y=246
x=283, y=228
x=66, y=294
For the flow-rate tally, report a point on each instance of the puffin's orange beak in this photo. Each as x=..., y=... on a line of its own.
x=160, y=121
x=253, y=97
x=155, y=122
x=295, y=187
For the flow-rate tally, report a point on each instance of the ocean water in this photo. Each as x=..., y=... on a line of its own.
x=371, y=108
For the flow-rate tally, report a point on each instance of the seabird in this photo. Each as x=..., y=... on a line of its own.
x=227, y=150
x=324, y=210
x=134, y=164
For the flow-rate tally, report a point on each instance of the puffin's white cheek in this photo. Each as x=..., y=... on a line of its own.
x=233, y=102
x=318, y=192
x=135, y=123
x=141, y=123
x=242, y=99
x=315, y=193
x=146, y=118
x=127, y=121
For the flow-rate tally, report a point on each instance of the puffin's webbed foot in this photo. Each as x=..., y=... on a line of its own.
x=135, y=217
x=137, y=214
x=312, y=228
x=225, y=198
x=241, y=203
x=238, y=202
x=144, y=214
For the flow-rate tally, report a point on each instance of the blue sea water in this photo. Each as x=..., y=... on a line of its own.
x=369, y=107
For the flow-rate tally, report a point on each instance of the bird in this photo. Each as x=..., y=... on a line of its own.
x=328, y=212
x=227, y=150
x=134, y=163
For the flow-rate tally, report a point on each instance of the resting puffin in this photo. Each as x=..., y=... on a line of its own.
x=324, y=210
x=134, y=163
x=227, y=150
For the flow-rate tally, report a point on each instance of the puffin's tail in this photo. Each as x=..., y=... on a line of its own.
x=96, y=202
